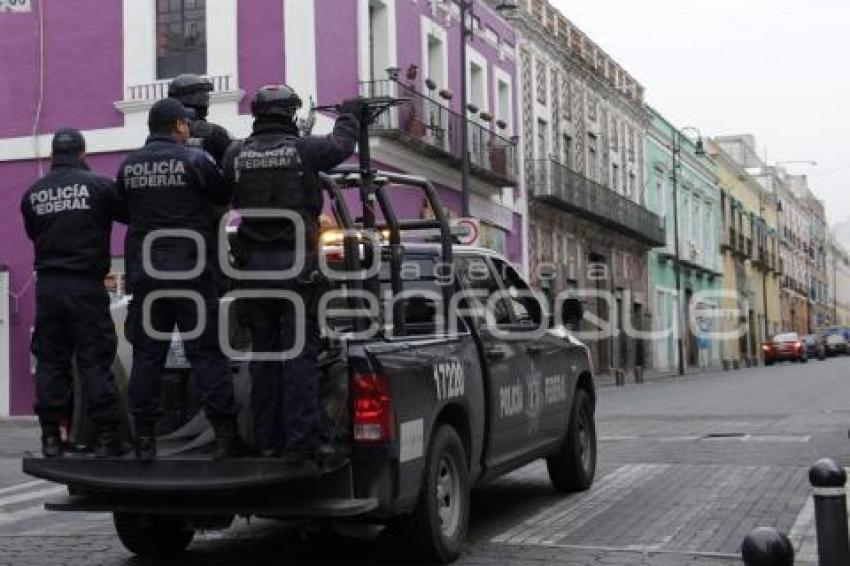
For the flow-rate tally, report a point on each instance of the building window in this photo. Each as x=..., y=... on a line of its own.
x=379, y=33
x=630, y=189
x=567, y=99
x=503, y=99
x=477, y=85
x=615, y=135
x=436, y=61
x=615, y=177
x=541, y=82
x=542, y=139
x=181, y=38
x=591, y=107
x=568, y=151
x=592, y=171
x=694, y=222
x=660, y=201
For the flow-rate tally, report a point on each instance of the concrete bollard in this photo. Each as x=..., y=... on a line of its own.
x=765, y=546
x=828, y=480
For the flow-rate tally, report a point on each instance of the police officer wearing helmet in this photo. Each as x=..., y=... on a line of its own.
x=168, y=186
x=68, y=215
x=193, y=92
x=274, y=168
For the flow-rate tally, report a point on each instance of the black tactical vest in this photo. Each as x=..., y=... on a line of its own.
x=270, y=175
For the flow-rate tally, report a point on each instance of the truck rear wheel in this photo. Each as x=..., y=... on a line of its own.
x=574, y=467
x=438, y=526
x=156, y=536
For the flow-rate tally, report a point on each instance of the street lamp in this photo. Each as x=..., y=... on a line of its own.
x=810, y=162
x=467, y=12
x=699, y=151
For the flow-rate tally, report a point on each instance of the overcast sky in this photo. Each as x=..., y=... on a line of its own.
x=779, y=69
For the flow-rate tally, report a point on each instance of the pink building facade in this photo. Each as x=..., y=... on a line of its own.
x=98, y=65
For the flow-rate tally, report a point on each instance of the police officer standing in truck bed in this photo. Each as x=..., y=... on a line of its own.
x=275, y=169
x=68, y=215
x=193, y=92
x=168, y=186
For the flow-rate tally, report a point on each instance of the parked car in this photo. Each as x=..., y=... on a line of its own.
x=815, y=346
x=788, y=346
x=835, y=340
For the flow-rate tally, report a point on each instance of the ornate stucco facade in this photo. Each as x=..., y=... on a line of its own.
x=583, y=122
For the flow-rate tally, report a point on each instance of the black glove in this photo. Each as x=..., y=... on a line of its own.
x=351, y=106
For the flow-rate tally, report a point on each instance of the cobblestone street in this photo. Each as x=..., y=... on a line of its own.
x=687, y=468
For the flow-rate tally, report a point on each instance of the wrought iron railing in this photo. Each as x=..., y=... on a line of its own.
x=580, y=194
x=430, y=123
x=159, y=89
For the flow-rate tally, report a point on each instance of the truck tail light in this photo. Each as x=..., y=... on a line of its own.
x=372, y=408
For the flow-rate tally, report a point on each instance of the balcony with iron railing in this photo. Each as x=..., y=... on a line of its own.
x=429, y=127
x=560, y=186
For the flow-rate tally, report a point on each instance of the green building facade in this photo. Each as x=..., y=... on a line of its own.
x=699, y=220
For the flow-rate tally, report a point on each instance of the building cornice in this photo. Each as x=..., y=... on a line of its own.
x=532, y=33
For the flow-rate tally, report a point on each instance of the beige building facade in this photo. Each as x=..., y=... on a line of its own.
x=751, y=311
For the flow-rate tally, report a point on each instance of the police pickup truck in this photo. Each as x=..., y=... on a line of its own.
x=459, y=379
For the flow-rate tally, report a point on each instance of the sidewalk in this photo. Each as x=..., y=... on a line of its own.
x=608, y=379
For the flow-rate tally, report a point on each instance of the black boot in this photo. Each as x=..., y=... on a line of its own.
x=108, y=444
x=145, y=442
x=227, y=441
x=51, y=440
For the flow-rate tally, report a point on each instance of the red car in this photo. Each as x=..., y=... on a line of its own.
x=789, y=346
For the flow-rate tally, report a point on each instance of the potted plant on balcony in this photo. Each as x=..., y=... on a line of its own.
x=430, y=84
x=486, y=116
x=412, y=72
x=472, y=108
x=501, y=124
x=392, y=73
x=445, y=94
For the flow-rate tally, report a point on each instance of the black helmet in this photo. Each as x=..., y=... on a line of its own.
x=275, y=100
x=191, y=90
x=68, y=141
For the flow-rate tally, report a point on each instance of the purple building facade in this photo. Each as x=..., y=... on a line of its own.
x=100, y=64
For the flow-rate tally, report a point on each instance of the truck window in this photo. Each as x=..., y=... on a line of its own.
x=475, y=274
x=525, y=306
x=422, y=302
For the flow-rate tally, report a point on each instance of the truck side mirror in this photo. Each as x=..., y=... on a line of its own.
x=572, y=312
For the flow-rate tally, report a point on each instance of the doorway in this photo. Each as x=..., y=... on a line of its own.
x=692, y=345
x=5, y=384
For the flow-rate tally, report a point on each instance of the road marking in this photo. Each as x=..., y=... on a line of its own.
x=556, y=521
x=7, y=518
x=803, y=535
x=21, y=486
x=645, y=549
x=21, y=497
